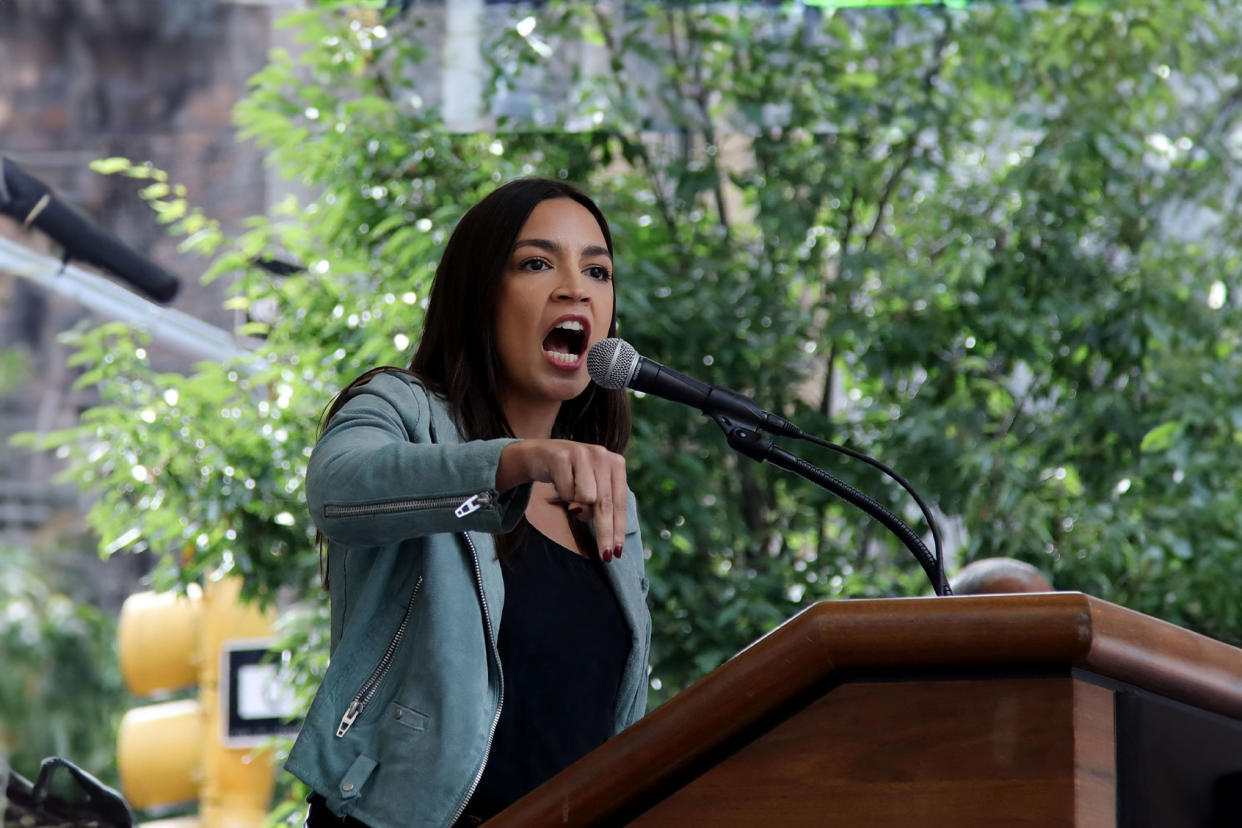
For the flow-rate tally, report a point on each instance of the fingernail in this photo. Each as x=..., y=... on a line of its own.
x=606, y=554
x=616, y=551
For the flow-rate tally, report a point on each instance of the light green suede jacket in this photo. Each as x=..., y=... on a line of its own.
x=400, y=729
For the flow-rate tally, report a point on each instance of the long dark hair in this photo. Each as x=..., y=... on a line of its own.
x=459, y=362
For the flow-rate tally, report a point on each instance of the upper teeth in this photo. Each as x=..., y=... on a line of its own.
x=570, y=325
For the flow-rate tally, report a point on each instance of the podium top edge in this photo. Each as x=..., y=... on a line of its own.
x=1027, y=630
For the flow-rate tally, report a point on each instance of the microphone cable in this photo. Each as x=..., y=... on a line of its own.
x=942, y=588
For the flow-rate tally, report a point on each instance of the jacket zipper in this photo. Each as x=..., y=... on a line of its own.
x=461, y=508
x=500, y=700
x=365, y=694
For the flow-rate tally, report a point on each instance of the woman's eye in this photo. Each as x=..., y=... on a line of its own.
x=600, y=273
x=535, y=264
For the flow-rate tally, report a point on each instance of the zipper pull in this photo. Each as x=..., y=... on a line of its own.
x=347, y=721
x=473, y=504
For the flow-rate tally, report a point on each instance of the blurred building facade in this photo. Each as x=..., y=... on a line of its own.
x=151, y=81
x=88, y=79
x=157, y=81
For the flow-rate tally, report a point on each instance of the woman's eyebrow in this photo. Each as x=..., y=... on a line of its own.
x=555, y=247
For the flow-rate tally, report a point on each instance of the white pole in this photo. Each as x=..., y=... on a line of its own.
x=462, y=72
x=172, y=328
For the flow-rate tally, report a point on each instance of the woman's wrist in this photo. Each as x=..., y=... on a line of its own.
x=512, y=470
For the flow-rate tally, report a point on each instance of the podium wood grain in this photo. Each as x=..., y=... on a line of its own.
x=902, y=753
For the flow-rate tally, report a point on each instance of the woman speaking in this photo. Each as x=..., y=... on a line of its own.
x=485, y=569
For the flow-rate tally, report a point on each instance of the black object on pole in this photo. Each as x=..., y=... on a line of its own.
x=31, y=202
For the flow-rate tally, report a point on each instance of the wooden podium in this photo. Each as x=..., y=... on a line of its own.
x=1007, y=710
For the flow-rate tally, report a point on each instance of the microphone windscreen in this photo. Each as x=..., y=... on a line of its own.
x=612, y=363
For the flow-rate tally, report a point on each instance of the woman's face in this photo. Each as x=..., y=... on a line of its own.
x=556, y=298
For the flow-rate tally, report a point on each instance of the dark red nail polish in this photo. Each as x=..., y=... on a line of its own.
x=606, y=555
x=616, y=552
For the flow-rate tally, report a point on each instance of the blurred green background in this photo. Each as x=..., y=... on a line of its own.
x=995, y=246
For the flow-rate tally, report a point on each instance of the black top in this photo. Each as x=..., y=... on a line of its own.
x=563, y=645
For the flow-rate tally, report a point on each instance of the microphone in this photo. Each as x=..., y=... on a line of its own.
x=613, y=363
x=32, y=202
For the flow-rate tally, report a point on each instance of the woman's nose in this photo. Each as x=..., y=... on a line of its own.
x=572, y=288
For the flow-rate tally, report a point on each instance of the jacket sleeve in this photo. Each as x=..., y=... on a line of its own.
x=375, y=476
x=640, y=699
x=634, y=547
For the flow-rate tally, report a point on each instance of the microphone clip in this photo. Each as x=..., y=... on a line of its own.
x=744, y=437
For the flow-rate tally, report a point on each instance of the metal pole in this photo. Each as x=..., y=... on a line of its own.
x=171, y=328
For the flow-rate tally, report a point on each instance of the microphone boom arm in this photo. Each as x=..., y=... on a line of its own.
x=749, y=441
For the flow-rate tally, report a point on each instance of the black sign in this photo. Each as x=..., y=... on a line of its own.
x=255, y=702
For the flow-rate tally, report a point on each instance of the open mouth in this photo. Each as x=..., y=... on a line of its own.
x=566, y=342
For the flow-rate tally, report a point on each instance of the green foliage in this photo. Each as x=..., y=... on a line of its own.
x=994, y=247
x=60, y=689
x=14, y=368
x=961, y=241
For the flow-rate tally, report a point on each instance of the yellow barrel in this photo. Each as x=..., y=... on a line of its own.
x=159, y=640
x=159, y=753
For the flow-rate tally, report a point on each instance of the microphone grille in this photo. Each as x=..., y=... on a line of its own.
x=612, y=362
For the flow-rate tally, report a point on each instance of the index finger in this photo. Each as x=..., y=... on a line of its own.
x=620, y=503
x=605, y=513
